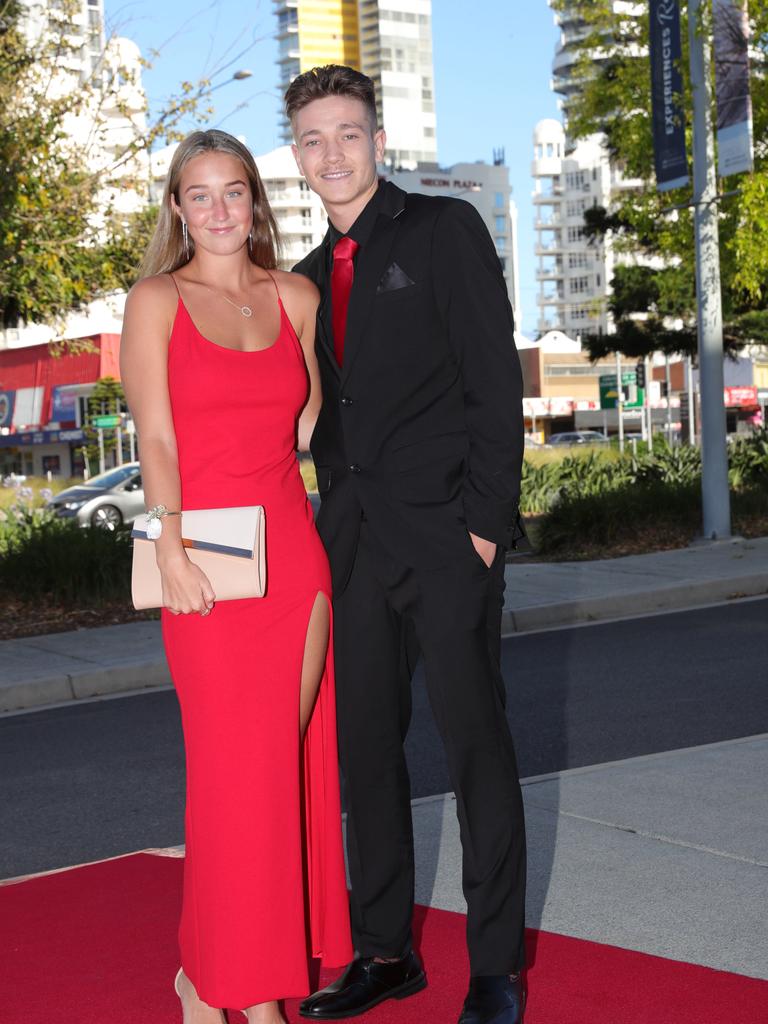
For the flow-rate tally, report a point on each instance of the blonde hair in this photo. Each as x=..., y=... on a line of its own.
x=165, y=252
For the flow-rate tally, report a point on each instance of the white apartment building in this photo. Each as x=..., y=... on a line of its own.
x=300, y=215
x=573, y=272
x=396, y=52
x=388, y=40
x=106, y=73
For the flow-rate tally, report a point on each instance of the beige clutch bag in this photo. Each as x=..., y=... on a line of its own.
x=227, y=544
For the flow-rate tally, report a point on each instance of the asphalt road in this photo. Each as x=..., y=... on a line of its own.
x=100, y=779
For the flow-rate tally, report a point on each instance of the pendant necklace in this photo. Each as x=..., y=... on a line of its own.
x=245, y=311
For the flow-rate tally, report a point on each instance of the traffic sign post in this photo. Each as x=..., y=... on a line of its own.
x=107, y=422
x=620, y=400
x=634, y=396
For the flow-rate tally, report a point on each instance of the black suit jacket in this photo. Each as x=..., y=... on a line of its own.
x=422, y=429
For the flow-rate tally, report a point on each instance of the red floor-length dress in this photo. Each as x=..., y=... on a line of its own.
x=264, y=881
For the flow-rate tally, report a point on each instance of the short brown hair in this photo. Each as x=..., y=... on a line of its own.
x=331, y=80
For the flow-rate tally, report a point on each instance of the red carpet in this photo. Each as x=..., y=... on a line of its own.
x=97, y=945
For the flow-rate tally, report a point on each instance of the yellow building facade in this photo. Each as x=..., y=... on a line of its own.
x=388, y=40
x=328, y=33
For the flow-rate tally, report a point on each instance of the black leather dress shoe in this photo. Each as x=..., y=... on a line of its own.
x=364, y=984
x=494, y=1000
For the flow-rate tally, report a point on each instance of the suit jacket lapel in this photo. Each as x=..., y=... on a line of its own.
x=324, y=338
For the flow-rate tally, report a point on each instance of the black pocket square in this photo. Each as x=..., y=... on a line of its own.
x=394, y=277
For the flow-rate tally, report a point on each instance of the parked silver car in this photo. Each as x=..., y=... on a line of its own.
x=106, y=500
x=578, y=437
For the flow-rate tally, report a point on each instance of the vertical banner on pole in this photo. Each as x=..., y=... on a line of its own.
x=734, y=103
x=666, y=94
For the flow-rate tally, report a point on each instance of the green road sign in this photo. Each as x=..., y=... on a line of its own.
x=634, y=397
x=105, y=422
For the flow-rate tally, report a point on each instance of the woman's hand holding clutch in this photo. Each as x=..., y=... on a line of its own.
x=186, y=588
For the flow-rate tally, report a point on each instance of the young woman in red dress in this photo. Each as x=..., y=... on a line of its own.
x=220, y=374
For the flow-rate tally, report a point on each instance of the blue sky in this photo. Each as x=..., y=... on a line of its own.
x=492, y=71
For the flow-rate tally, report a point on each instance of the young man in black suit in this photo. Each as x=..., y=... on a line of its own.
x=418, y=451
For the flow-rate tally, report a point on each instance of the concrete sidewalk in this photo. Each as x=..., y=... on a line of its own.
x=665, y=854
x=544, y=595
x=61, y=667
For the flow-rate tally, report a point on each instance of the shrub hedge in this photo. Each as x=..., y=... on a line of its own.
x=43, y=556
x=589, y=475
x=651, y=500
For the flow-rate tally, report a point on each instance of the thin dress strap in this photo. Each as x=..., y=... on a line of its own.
x=274, y=282
x=170, y=274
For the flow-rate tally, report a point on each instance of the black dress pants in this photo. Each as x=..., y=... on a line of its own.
x=384, y=617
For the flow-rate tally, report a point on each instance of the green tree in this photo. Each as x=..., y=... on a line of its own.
x=62, y=240
x=654, y=305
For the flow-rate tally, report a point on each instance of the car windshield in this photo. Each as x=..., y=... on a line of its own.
x=112, y=477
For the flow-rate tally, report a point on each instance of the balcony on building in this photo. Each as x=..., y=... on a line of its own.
x=547, y=222
x=553, y=198
x=555, y=245
x=550, y=272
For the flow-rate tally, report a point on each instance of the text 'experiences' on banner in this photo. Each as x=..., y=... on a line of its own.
x=666, y=92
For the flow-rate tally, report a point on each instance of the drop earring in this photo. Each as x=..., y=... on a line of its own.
x=250, y=244
x=185, y=235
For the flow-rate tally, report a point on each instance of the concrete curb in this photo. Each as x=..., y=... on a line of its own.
x=68, y=688
x=619, y=606
x=64, y=677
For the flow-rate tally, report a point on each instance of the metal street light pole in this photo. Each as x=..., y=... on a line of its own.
x=715, y=494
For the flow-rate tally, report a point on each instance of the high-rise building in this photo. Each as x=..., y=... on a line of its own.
x=573, y=271
x=105, y=75
x=389, y=40
x=396, y=52
x=573, y=29
x=85, y=32
x=314, y=32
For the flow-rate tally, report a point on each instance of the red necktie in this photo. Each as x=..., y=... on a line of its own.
x=342, y=275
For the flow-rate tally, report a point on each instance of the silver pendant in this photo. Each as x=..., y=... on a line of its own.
x=246, y=311
x=154, y=528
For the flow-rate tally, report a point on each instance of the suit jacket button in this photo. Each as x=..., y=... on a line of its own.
x=354, y=468
x=346, y=400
